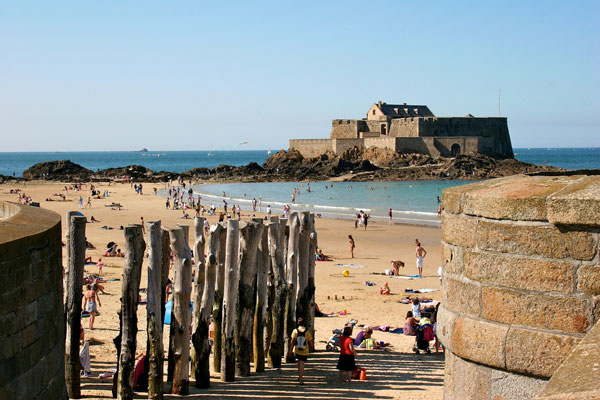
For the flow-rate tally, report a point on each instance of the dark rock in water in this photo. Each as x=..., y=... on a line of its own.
x=57, y=170
x=130, y=171
x=144, y=150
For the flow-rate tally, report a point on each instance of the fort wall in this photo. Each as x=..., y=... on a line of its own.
x=32, y=338
x=312, y=147
x=521, y=281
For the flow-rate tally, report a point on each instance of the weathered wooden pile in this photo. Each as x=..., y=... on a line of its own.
x=253, y=280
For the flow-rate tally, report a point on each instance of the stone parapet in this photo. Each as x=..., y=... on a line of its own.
x=31, y=304
x=521, y=280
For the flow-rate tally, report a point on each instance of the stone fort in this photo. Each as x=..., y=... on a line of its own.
x=413, y=129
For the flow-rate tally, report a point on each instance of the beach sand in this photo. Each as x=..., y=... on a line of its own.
x=395, y=372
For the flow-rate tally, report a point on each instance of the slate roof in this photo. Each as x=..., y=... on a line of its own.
x=405, y=110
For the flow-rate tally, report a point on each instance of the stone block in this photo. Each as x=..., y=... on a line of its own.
x=466, y=380
x=519, y=272
x=445, y=326
x=459, y=231
x=578, y=376
x=535, y=240
x=577, y=204
x=29, y=335
x=461, y=296
x=451, y=258
x=517, y=198
x=538, y=310
x=537, y=353
x=452, y=198
x=588, y=279
x=479, y=341
x=507, y=386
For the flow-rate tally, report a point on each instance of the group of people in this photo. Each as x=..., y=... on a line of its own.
x=361, y=219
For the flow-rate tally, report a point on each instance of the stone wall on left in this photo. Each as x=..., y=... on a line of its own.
x=32, y=331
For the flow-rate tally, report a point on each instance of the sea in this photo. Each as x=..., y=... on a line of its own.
x=414, y=202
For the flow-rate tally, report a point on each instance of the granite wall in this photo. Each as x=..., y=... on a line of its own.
x=32, y=339
x=521, y=283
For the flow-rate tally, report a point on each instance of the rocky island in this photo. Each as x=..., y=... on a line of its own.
x=354, y=164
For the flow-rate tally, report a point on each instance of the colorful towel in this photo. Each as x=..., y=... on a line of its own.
x=351, y=265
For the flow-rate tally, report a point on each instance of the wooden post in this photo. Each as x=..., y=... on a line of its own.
x=279, y=300
x=229, y=300
x=303, y=296
x=181, y=316
x=310, y=315
x=164, y=270
x=132, y=273
x=292, y=284
x=200, y=337
x=250, y=236
x=262, y=276
x=198, y=283
x=218, y=303
x=155, y=317
x=74, y=275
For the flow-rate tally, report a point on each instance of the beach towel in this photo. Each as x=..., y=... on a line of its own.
x=427, y=290
x=351, y=265
x=410, y=277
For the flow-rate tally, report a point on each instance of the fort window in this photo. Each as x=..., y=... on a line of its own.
x=373, y=112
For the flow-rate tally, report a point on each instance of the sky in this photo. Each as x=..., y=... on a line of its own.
x=193, y=75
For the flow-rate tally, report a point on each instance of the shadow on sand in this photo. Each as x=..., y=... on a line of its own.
x=386, y=371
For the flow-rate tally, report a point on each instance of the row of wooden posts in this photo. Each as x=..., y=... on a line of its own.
x=253, y=280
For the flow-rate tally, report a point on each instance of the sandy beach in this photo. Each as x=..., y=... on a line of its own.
x=395, y=372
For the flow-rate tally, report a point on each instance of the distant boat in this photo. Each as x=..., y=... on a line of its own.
x=269, y=152
x=210, y=154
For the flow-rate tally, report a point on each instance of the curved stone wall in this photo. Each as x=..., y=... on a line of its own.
x=521, y=281
x=31, y=304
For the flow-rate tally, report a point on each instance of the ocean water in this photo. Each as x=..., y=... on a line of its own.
x=174, y=161
x=411, y=202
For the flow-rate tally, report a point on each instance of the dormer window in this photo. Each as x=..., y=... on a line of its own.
x=373, y=112
x=416, y=111
x=397, y=111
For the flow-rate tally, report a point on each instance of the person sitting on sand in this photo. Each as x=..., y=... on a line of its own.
x=119, y=254
x=185, y=215
x=93, y=219
x=416, y=307
x=321, y=257
x=410, y=324
x=385, y=289
x=397, y=264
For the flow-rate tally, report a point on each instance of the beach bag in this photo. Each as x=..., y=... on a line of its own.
x=301, y=340
x=428, y=333
x=140, y=375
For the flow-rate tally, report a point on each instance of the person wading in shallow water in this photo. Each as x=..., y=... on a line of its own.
x=421, y=253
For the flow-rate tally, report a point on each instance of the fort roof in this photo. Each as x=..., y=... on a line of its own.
x=404, y=110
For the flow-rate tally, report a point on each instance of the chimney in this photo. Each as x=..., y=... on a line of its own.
x=403, y=104
x=379, y=103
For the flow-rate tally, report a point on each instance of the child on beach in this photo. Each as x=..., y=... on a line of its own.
x=346, y=363
x=385, y=289
x=352, y=245
x=100, y=264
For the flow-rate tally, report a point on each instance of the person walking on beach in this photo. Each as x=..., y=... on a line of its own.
x=346, y=363
x=352, y=245
x=302, y=341
x=80, y=202
x=89, y=203
x=390, y=215
x=89, y=304
x=421, y=253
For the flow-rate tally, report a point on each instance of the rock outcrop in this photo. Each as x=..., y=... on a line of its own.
x=356, y=164
x=59, y=170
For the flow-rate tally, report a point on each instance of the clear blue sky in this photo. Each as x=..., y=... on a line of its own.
x=121, y=75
